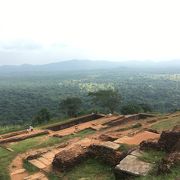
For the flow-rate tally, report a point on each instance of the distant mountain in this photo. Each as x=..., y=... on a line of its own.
x=80, y=65
x=72, y=65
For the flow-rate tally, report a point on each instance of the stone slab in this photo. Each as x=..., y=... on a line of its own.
x=133, y=166
x=110, y=145
x=45, y=161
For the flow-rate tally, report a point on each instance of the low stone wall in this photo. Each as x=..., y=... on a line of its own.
x=13, y=134
x=144, y=115
x=75, y=121
x=23, y=137
x=107, y=155
x=124, y=120
x=68, y=158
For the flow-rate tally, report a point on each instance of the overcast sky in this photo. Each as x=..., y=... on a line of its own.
x=44, y=31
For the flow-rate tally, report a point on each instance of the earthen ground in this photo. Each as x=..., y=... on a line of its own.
x=129, y=136
x=138, y=138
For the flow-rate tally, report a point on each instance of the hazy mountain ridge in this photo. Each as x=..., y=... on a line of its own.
x=75, y=65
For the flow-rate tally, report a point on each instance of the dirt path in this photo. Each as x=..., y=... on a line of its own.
x=17, y=172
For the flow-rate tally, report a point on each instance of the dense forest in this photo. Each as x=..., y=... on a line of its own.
x=24, y=94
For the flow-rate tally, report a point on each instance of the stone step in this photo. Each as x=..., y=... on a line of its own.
x=36, y=176
x=18, y=171
x=55, y=151
x=49, y=156
x=45, y=161
x=110, y=145
x=37, y=163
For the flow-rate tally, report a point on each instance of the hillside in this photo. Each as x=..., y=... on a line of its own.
x=23, y=94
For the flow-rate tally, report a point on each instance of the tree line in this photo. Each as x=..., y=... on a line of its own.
x=107, y=100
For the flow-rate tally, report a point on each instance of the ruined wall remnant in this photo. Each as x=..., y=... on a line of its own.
x=167, y=142
x=75, y=121
x=106, y=151
x=67, y=159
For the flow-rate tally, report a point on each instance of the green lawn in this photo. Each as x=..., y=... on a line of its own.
x=91, y=169
x=152, y=156
x=166, y=124
x=175, y=174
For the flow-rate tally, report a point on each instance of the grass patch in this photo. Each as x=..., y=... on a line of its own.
x=5, y=158
x=166, y=124
x=125, y=147
x=29, y=167
x=175, y=174
x=52, y=176
x=84, y=133
x=137, y=125
x=152, y=156
x=91, y=169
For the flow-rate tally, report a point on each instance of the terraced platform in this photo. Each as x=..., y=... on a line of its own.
x=137, y=138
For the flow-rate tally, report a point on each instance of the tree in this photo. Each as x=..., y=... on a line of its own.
x=146, y=108
x=108, y=99
x=42, y=116
x=131, y=109
x=71, y=106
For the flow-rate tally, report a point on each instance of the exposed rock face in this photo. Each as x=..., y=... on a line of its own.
x=131, y=166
